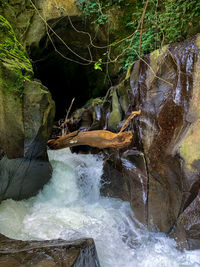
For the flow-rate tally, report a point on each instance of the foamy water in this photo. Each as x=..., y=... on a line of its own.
x=70, y=207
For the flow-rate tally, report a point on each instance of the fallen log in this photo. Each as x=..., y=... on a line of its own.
x=97, y=138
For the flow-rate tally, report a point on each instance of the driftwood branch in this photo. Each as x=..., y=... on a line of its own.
x=98, y=138
x=125, y=125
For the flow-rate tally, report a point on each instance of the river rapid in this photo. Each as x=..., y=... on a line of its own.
x=70, y=207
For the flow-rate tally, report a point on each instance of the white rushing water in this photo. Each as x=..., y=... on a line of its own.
x=70, y=207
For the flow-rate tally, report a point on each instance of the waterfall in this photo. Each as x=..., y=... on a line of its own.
x=70, y=207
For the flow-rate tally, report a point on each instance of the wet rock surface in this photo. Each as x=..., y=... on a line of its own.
x=167, y=94
x=125, y=177
x=187, y=228
x=27, y=112
x=28, y=26
x=165, y=86
x=48, y=253
x=21, y=176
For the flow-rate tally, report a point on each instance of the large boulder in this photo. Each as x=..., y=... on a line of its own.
x=165, y=86
x=26, y=18
x=47, y=11
x=125, y=177
x=15, y=68
x=48, y=253
x=187, y=228
x=27, y=112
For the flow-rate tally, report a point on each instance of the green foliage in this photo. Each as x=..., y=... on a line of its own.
x=165, y=22
x=98, y=10
x=97, y=65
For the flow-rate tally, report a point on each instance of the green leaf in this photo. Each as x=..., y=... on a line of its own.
x=97, y=65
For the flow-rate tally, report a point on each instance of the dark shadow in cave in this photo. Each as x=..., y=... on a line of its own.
x=67, y=80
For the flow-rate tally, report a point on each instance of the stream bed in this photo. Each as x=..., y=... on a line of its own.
x=70, y=207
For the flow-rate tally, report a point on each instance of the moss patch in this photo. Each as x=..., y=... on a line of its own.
x=115, y=115
x=156, y=58
x=190, y=147
x=15, y=68
x=13, y=55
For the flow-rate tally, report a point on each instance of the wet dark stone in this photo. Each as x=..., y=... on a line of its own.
x=165, y=98
x=22, y=177
x=79, y=253
x=193, y=244
x=187, y=228
x=125, y=177
x=165, y=87
x=90, y=117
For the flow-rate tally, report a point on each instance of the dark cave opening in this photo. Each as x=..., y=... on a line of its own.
x=67, y=80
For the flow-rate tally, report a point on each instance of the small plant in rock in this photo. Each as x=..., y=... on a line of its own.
x=97, y=65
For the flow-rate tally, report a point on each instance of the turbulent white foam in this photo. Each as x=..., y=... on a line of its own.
x=70, y=207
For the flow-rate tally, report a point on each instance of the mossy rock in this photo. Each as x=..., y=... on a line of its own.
x=19, y=96
x=190, y=145
x=116, y=114
x=15, y=68
x=11, y=119
x=27, y=112
x=12, y=52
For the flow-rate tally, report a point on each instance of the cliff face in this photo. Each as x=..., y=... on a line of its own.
x=167, y=90
x=26, y=117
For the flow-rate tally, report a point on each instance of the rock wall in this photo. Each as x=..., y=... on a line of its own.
x=165, y=86
x=26, y=117
x=26, y=21
x=159, y=174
